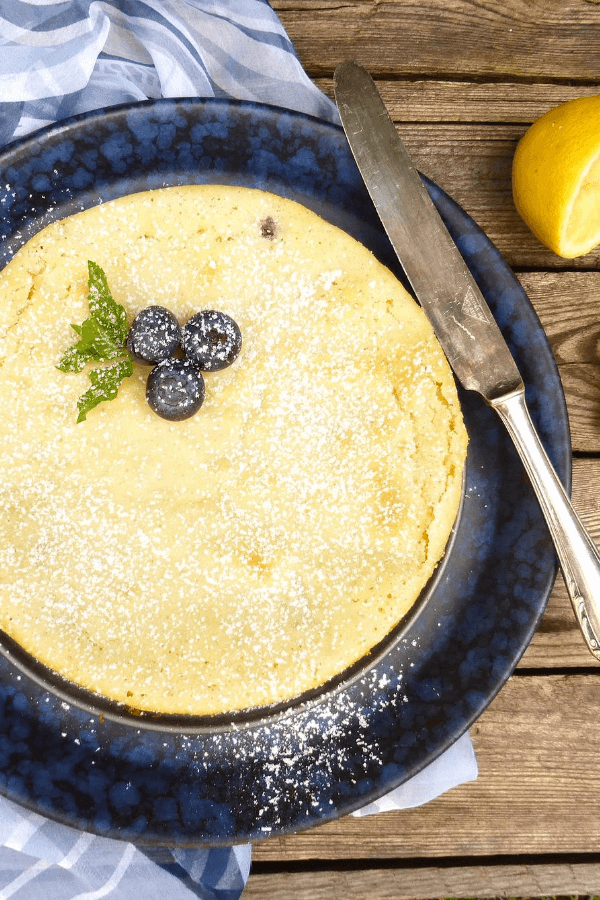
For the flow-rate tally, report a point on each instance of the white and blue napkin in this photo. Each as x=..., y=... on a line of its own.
x=61, y=58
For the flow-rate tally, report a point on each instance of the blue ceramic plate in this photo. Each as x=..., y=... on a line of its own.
x=274, y=775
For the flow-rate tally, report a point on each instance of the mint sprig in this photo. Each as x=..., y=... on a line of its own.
x=101, y=340
x=105, y=385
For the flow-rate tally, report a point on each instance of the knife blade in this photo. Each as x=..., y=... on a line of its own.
x=462, y=321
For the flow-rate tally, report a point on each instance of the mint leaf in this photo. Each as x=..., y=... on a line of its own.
x=97, y=342
x=110, y=314
x=73, y=360
x=101, y=339
x=105, y=384
x=102, y=336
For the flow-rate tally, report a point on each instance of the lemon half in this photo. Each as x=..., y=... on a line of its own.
x=556, y=177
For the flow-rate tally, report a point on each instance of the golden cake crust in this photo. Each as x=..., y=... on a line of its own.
x=252, y=552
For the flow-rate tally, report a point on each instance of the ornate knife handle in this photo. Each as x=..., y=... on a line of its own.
x=578, y=557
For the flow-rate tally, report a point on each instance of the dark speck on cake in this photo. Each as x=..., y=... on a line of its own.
x=268, y=228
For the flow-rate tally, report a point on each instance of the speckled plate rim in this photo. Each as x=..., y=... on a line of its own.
x=318, y=763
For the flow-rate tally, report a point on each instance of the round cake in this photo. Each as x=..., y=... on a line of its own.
x=260, y=547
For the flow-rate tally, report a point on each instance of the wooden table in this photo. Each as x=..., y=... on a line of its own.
x=463, y=79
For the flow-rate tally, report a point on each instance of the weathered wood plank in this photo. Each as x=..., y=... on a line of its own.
x=473, y=38
x=567, y=305
x=538, y=749
x=429, y=883
x=581, y=384
x=415, y=100
x=473, y=163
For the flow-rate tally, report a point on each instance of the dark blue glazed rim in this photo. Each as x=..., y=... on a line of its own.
x=314, y=763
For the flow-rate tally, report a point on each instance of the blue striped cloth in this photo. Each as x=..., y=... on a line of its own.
x=59, y=59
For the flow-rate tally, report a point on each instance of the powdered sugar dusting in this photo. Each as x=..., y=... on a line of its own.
x=252, y=552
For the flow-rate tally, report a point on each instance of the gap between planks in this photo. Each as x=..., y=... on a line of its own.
x=482, y=880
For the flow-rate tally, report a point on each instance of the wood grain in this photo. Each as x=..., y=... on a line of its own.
x=464, y=137
x=428, y=883
x=567, y=304
x=538, y=750
x=415, y=100
x=463, y=39
x=473, y=164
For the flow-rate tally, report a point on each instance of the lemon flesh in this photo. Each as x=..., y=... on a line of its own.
x=556, y=177
x=582, y=229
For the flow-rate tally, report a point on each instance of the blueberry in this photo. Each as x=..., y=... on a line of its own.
x=211, y=339
x=154, y=335
x=175, y=389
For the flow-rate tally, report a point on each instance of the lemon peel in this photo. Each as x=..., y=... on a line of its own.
x=556, y=177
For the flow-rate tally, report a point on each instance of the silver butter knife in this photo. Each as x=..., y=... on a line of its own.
x=462, y=321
